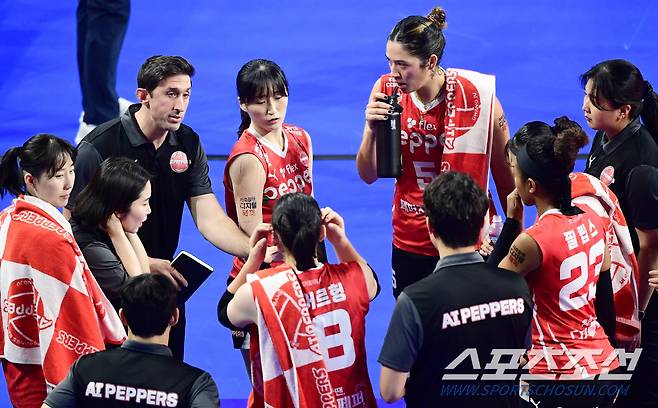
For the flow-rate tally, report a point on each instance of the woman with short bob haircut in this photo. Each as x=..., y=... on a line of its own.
x=46, y=289
x=105, y=221
x=269, y=159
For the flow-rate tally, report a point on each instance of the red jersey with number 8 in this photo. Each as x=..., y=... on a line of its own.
x=337, y=299
x=566, y=335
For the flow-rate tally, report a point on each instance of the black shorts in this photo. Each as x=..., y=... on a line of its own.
x=409, y=268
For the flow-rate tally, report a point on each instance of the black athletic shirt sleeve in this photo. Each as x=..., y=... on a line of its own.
x=642, y=197
x=87, y=162
x=199, y=179
x=404, y=337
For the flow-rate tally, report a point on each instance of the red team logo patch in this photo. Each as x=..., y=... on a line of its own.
x=608, y=175
x=25, y=314
x=178, y=162
x=463, y=97
x=303, y=158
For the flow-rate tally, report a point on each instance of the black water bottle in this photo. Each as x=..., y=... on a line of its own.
x=389, y=160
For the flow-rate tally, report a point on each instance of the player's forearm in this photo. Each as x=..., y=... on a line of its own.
x=250, y=266
x=140, y=251
x=504, y=181
x=126, y=254
x=224, y=234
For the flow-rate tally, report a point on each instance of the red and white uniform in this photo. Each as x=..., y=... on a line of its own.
x=564, y=288
x=432, y=142
x=336, y=298
x=421, y=129
x=286, y=171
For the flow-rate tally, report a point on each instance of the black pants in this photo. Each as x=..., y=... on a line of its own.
x=409, y=268
x=101, y=27
x=644, y=382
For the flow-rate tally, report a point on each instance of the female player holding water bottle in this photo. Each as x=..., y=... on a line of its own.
x=443, y=109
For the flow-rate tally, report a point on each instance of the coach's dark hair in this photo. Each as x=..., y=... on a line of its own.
x=258, y=78
x=553, y=149
x=455, y=206
x=116, y=184
x=422, y=36
x=297, y=222
x=148, y=303
x=621, y=83
x=160, y=67
x=39, y=155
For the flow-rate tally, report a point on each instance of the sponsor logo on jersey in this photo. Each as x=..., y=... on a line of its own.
x=303, y=158
x=608, y=175
x=127, y=394
x=179, y=162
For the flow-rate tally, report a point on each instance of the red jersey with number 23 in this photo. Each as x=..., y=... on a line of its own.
x=564, y=288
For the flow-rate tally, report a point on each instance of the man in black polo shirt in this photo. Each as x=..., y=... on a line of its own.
x=142, y=371
x=151, y=132
x=460, y=313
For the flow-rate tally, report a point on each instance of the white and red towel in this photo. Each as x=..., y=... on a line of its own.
x=590, y=191
x=468, y=127
x=284, y=345
x=468, y=123
x=53, y=310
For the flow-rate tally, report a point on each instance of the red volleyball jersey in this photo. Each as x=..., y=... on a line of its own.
x=337, y=299
x=287, y=171
x=565, y=326
x=421, y=129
